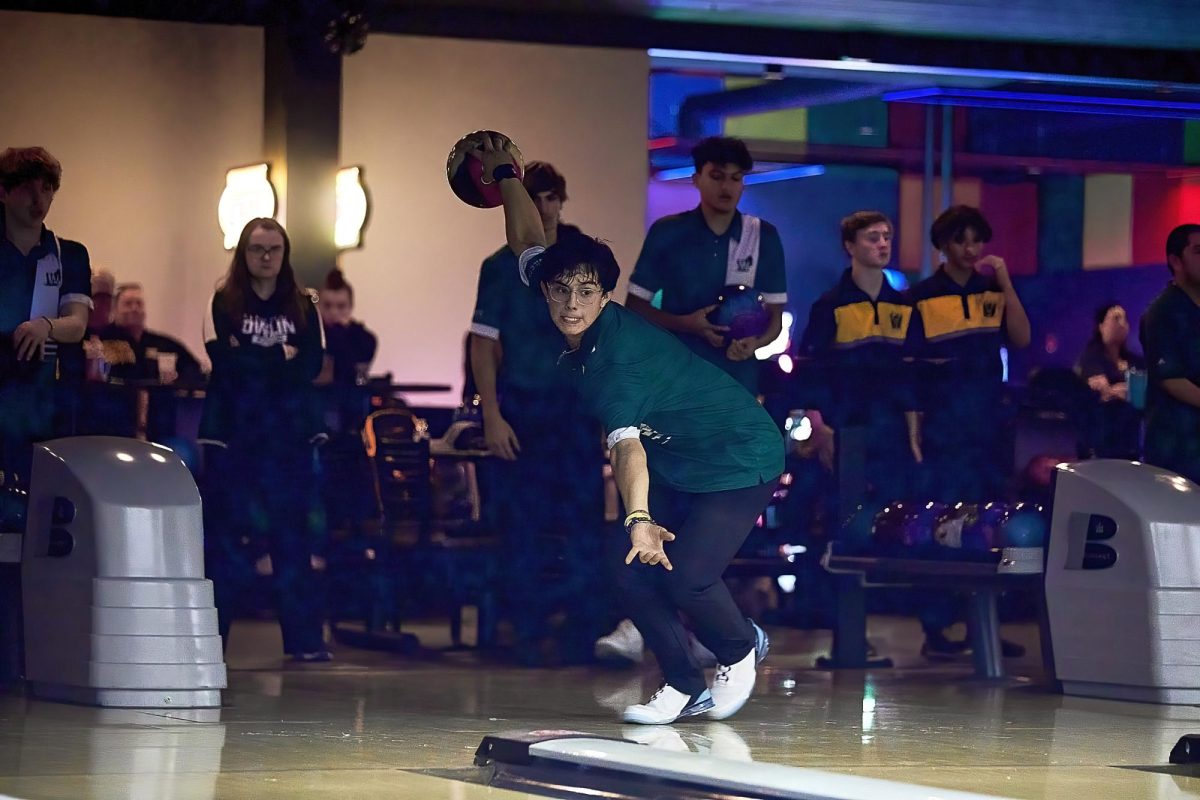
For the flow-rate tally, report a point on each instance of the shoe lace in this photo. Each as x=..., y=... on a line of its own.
x=723, y=673
x=654, y=696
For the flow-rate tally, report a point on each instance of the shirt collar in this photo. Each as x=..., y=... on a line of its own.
x=976, y=283
x=848, y=288
x=45, y=244
x=735, y=227
x=591, y=337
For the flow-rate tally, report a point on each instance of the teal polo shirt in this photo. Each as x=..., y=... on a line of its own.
x=703, y=432
x=27, y=391
x=508, y=311
x=687, y=262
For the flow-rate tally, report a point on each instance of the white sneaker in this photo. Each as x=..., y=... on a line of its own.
x=668, y=705
x=625, y=644
x=732, y=687
x=661, y=737
x=762, y=642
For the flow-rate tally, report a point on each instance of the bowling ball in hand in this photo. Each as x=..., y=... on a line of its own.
x=464, y=170
x=742, y=309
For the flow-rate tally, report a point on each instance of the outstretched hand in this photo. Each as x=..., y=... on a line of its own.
x=647, y=539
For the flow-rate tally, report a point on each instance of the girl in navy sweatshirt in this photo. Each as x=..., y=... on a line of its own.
x=264, y=336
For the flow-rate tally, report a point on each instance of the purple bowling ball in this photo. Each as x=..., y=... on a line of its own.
x=742, y=309
x=920, y=523
x=888, y=528
x=981, y=531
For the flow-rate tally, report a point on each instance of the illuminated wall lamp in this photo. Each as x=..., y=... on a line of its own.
x=353, y=209
x=248, y=195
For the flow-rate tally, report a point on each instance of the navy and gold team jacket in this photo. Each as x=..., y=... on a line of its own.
x=857, y=348
x=960, y=325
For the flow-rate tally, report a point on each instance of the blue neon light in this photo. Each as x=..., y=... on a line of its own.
x=666, y=58
x=1044, y=101
x=674, y=174
x=784, y=174
x=896, y=279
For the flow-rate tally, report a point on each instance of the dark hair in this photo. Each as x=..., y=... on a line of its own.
x=953, y=223
x=1101, y=314
x=236, y=283
x=575, y=255
x=722, y=150
x=541, y=176
x=21, y=164
x=861, y=220
x=1177, y=241
x=335, y=281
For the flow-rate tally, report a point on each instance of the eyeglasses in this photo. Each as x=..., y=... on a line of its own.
x=561, y=293
x=258, y=251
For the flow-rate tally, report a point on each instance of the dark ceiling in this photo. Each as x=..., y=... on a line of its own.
x=1155, y=40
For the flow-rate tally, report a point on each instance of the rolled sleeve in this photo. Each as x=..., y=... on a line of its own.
x=647, y=278
x=620, y=434
x=488, y=317
x=77, y=275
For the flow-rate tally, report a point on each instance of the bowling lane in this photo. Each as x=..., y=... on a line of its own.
x=366, y=725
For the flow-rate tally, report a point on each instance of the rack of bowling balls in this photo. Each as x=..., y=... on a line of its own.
x=944, y=531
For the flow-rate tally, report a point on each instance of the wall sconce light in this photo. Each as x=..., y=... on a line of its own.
x=248, y=195
x=353, y=208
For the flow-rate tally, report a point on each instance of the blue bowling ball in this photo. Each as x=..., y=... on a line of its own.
x=187, y=451
x=858, y=528
x=1025, y=528
x=14, y=508
x=742, y=309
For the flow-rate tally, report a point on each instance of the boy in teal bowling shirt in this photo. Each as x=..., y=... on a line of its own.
x=695, y=458
x=691, y=257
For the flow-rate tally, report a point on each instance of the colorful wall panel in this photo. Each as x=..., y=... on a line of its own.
x=1011, y=210
x=787, y=125
x=1107, y=221
x=1060, y=223
x=911, y=233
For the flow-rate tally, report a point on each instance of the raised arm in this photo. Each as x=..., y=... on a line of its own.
x=522, y=223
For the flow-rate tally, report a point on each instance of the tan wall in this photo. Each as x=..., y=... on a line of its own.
x=145, y=117
x=406, y=100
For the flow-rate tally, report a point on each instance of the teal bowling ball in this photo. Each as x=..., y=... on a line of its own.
x=14, y=508
x=859, y=527
x=1025, y=528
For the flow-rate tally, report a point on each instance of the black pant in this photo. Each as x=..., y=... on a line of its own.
x=549, y=506
x=259, y=501
x=709, y=528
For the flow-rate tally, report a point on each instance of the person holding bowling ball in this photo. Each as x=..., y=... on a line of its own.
x=691, y=258
x=695, y=458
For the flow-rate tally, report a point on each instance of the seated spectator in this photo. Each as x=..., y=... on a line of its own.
x=1111, y=427
x=349, y=351
x=103, y=285
x=134, y=353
